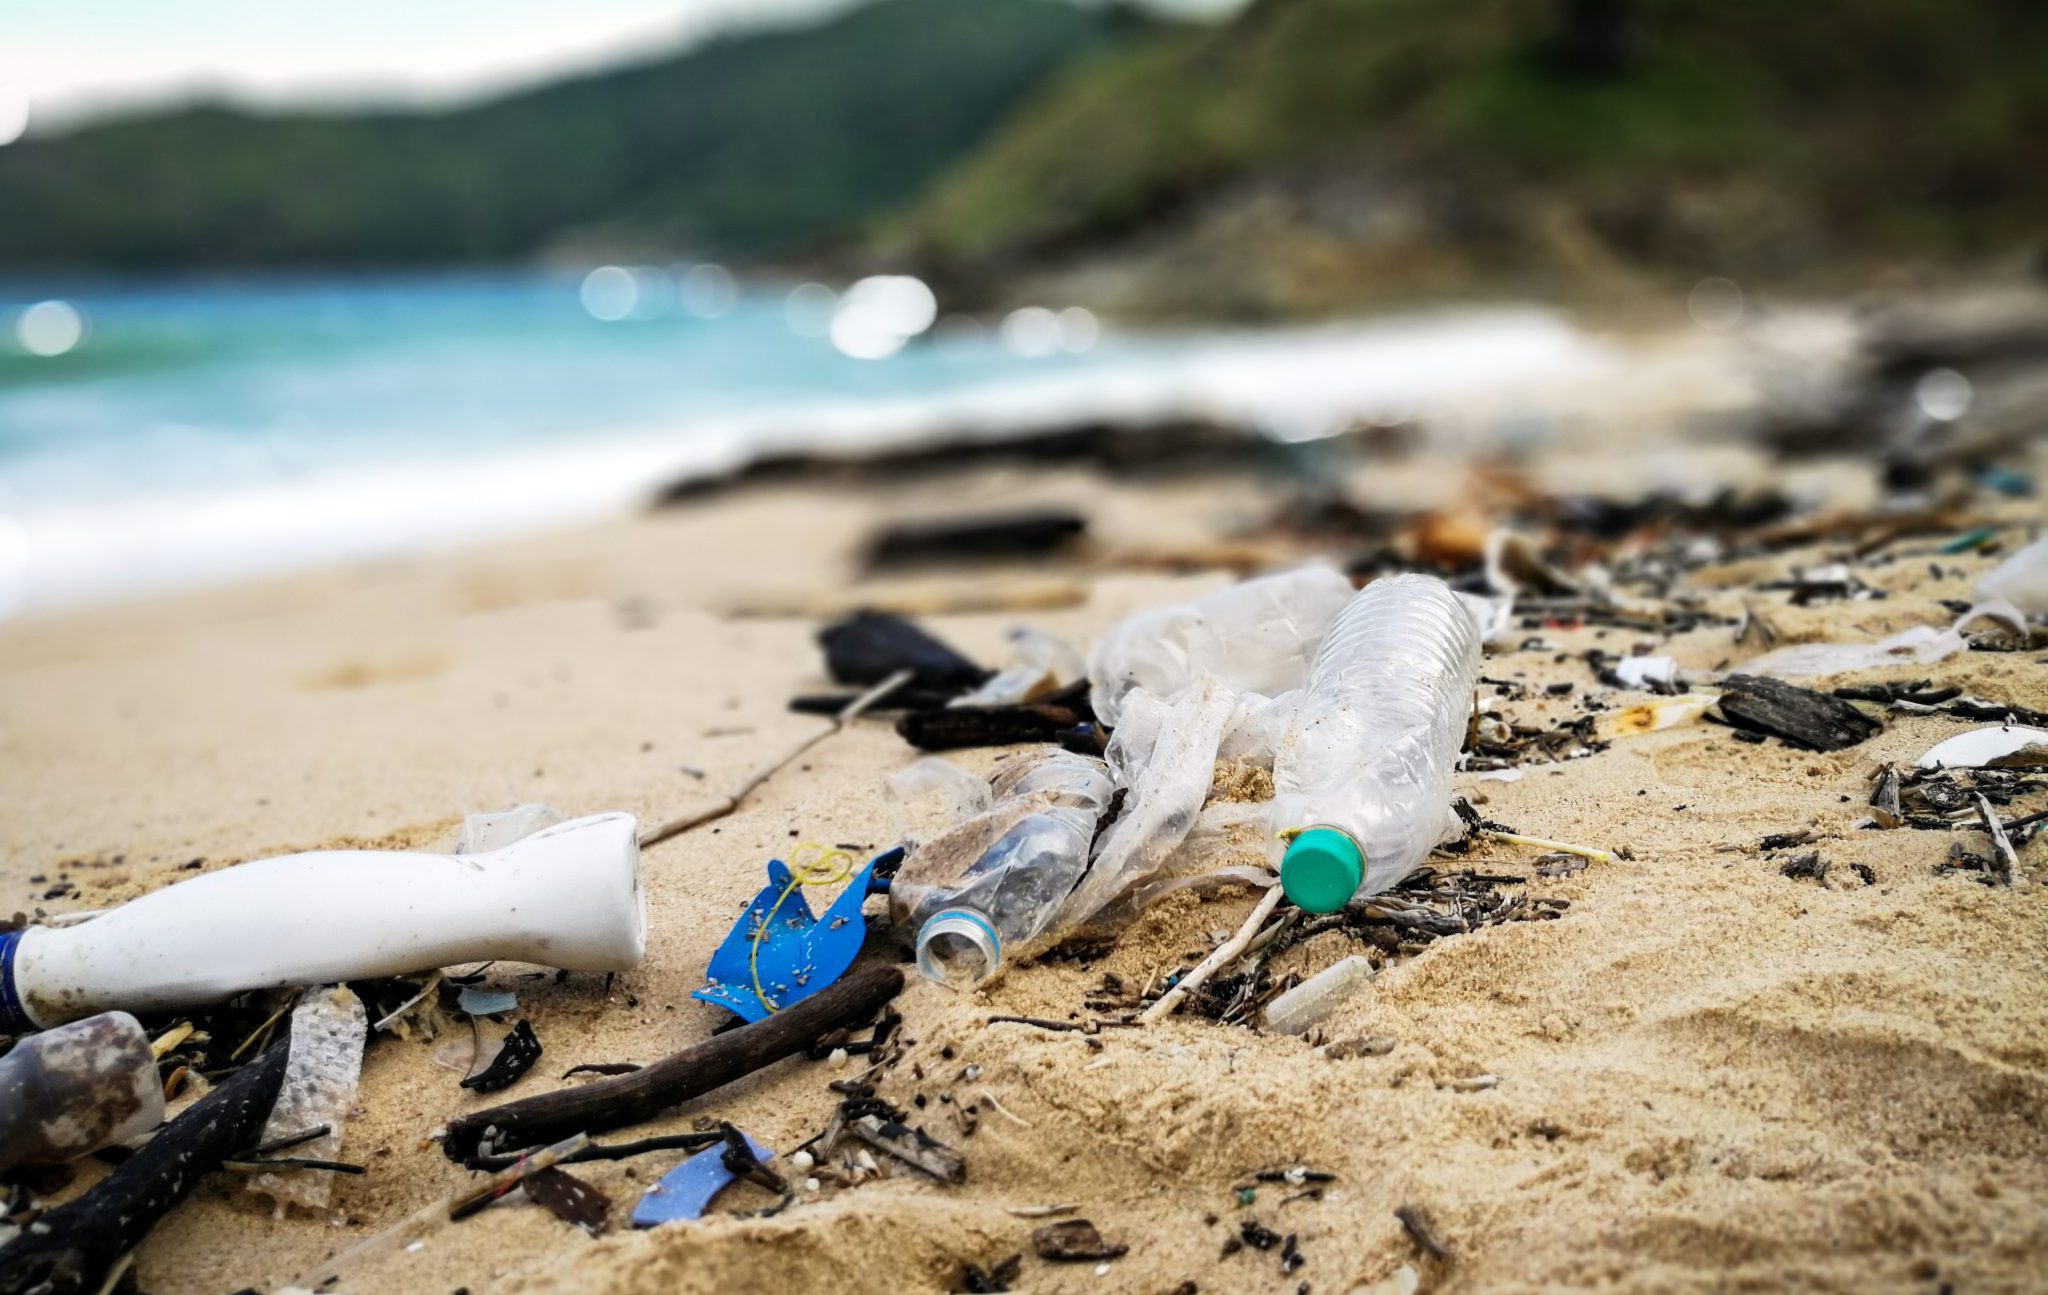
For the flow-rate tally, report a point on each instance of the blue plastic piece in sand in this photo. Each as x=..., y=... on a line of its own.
x=801, y=953
x=686, y=1191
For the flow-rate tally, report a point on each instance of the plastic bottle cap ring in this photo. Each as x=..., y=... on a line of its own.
x=1322, y=869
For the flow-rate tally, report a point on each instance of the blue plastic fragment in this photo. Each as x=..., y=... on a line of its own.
x=801, y=953
x=485, y=1002
x=686, y=1191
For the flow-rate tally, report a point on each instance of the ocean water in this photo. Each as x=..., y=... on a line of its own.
x=204, y=429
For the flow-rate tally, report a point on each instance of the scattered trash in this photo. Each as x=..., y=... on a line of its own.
x=74, y=1248
x=1920, y=645
x=569, y=1199
x=869, y=647
x=779, y=953
x=1802, y=717
x=612, y=1103
x=1385, y=709
x=2021, y=580
x=1884, y=798
x=1655, y=716
x=1256, y=636
x=1644, y=671
x=516, y=1056
x=685, y=1192
x=2005, y=746
x=486, y=1002
x=984, y=891
x=70, y=1091
x=485, y=832
x=912, y=1146
x=1023, y=533
x=337, y=915
x=328, y=1031
x=1311, y=1001
x=1039, y=664
x=1073, y=1241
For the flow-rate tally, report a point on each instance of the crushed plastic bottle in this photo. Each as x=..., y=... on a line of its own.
x=985, y=890
x=1363, y=775
x=72, y=1090
x=1311, y=1002
x=1254, y=637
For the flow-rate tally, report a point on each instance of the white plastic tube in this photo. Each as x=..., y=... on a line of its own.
x=1362, y=779
x=565, y=897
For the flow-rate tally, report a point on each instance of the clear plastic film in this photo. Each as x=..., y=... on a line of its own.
x=329, y=1028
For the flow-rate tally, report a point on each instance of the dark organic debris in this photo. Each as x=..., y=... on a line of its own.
x=1048, y=719
x=868, y=647
x=1807, y=867
x=1422, y=1231
x=515, y=1057
x=1019, y=533
x=1813, y=720
x=601, y=1068
x=570, y=1199
x=1073, y=1241
x=72, y=1249
x=976, y=1280
x=1884, y=798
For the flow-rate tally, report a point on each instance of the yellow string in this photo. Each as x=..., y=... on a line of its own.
x=810, y=864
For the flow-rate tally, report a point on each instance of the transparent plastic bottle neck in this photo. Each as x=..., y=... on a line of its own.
x=957, y=947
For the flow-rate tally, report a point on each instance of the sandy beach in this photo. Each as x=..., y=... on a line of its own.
x=1703, y=1075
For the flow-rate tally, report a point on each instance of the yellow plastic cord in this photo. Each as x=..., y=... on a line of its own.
x=810, y=864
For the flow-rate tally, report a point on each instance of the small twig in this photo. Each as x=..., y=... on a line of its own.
x=1225, y=954
x=264, y=1028
x=2001, y=845
x=607, y=1151
x=1042, y=1022
x=433, y=983
x=161, y=1045
x=731, y=802
x=989, y=1100
x=1563, y=847
x=250, y=1166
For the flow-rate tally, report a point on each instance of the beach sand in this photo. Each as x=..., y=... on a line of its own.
x=1704, y=1076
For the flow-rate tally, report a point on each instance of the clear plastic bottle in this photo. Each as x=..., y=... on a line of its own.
x=1363, y=777
x=988, y=887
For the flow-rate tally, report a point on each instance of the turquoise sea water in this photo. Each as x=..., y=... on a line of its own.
x=211, y=427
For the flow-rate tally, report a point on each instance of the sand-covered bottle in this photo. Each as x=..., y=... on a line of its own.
x=989, y=887
x=1363, y=775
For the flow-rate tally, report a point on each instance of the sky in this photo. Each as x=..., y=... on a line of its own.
x=71, y=59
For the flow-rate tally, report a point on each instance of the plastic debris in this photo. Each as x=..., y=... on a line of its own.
x=685, y=1192
x=1654, y=716
x=1039, y=663
x=781, y=946
x=985, y=890
x=516, y=1056
x=328, y=1032
x=70, y=1091
x=485, y=832
x=2021, y=580
x=1363, y=784
x=1311, y=1001
x=486, y=1002
x=1256, y=636
x=569, y=1199
x=1920, y=645
x=2002, y=746
x=568, y=896
x=931, y=796
x=1645, y=671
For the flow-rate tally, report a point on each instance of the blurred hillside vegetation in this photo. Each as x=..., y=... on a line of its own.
x=1305, y=155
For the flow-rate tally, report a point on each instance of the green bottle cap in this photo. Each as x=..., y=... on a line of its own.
x=1322, y=869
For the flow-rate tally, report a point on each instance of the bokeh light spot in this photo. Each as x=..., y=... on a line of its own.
x=610, y=293
x=880, y=313
x=707, y=291
x=1943, y=395
x=1715, y=304
x=1078, y=329
x=1032, y=332
x=14, y=114
x=808, y=309
x=49, y=328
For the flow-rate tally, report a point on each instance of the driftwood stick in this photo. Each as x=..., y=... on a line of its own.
x=73, y=1249
x=717, y=1061
x=853, y=711
x=1224, y=955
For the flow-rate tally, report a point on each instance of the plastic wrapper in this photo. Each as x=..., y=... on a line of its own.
x=328, y=1031
x=2021, y=580
x=1039, y=663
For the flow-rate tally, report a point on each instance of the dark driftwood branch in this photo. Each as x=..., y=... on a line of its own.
x=71, y=1249
x=717, y=1061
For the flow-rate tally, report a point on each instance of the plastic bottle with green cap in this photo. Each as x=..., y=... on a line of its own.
x=1363, y=780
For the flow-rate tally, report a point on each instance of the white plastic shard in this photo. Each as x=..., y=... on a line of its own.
x=1314, y=999
x=2021, y=580
x=1920, y=645
x=1643, y=671
x=1039, y=663
x=1998, y=745
x=484, y=832
x=329, y=1028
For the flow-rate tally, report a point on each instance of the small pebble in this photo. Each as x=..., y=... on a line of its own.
x=810, y=1184
x=837, y=1059
x=803, y=1160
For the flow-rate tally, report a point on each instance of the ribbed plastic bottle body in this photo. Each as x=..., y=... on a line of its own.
x=1002, y=875
x=1373, y=744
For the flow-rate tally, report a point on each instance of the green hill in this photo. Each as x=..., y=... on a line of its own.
x=751, y=145
x=1315, y=151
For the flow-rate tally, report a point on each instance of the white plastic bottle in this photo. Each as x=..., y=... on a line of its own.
x=1363, y=776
